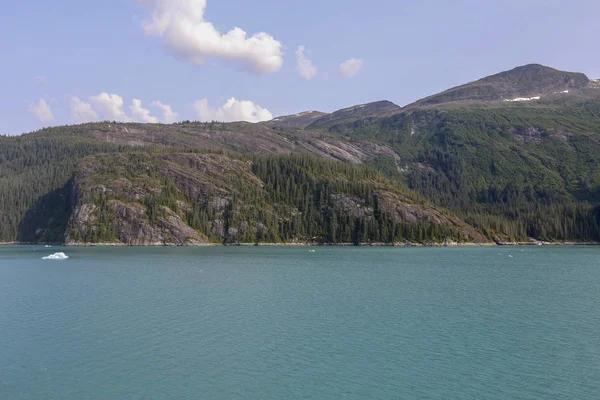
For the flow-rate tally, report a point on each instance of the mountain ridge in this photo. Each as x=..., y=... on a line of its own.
x=511, y=170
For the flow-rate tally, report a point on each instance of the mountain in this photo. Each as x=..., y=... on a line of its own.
x=522, y=84
x=464, y=164
x=82, y=191
x=186, y=198
x=300, y=120
x=378, y=108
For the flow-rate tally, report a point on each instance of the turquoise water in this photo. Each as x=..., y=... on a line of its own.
x=286, y=323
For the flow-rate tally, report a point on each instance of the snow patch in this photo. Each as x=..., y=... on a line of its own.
x=564, y=91
x=56, y=256
x=524, y=98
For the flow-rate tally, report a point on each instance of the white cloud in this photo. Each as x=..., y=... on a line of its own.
x=82, y=112
x=42, y=111
x=350, y=67
x=141, y=114
x=304, y=66
x=169, y=116
x=110, y=105
x=233, y=110
x=181, y=25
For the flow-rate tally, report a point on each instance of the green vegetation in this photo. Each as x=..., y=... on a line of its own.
x=513, y=172
x=270, y=199
x=34, y=184
x=509, y=170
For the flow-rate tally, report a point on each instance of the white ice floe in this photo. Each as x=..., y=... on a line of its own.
x=524, y=98
x=56, y=256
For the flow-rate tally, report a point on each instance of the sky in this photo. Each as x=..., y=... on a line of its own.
x=72, y=61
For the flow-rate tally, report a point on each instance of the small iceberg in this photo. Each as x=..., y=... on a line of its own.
x=56, y=256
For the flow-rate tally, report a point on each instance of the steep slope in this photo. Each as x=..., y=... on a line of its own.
x=187, y=199
x=35, y=168
x=516, y=171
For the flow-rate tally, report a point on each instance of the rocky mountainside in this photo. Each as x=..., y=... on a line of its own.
x=511, y=169
x=191, y=199
x=522, y=84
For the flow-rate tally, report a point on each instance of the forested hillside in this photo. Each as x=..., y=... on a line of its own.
x=514, y=168
x=185, y=198
x=516, y=171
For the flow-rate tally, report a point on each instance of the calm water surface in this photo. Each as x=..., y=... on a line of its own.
x=286, y=323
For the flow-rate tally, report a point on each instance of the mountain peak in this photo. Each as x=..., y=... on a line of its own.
x=537, y=76
x=523, y=83
x=300, y=120
x=376, y=108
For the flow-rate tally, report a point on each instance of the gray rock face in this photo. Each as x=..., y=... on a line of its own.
x=132, y=226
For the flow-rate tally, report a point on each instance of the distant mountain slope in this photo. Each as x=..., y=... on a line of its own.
x=526, y=83
x=300, y=120
x=236, y=137
x=378, y=108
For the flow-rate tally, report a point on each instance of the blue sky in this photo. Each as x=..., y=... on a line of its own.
x=83, y=59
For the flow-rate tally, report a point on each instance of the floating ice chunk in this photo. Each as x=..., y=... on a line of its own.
x=56, y=256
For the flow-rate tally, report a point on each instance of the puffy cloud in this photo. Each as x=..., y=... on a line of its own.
x=110, y=105
x=169, y=116
x=304, y=66
x=233, y=110
x=82, y=112
x=350, y=67
x=111, y=108
x=42, y=111
x=141, y=114
x=181, y=25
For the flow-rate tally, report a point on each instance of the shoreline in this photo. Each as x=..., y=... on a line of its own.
x=312, y=244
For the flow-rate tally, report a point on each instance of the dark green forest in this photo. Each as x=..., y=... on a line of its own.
x=258, y=199
x=514, y=172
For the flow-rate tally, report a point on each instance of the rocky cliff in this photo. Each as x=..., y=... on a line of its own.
x=194, y=199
